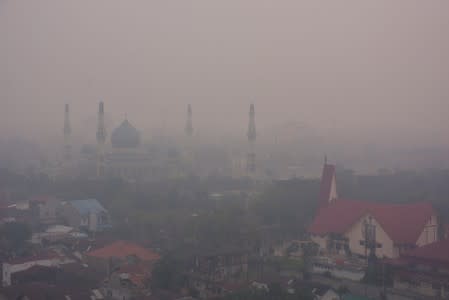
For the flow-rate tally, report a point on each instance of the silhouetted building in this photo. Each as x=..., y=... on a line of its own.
x=251, y=160
x=101, y=139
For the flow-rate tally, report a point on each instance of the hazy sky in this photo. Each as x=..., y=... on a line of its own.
x=378, y=69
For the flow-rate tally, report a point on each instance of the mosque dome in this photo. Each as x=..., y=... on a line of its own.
x=125, y=136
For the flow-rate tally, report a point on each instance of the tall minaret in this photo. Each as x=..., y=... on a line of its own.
x=101, y=139
x=189, y=126
x=251, y=160
x=67, y=155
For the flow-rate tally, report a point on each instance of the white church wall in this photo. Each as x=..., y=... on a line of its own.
x=355, y=236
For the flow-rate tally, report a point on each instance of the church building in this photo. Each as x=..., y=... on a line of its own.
x=346, y=226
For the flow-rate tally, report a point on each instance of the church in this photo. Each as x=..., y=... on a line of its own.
x=345, y=226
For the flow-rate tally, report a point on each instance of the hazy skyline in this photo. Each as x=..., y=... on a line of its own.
x=377, y=70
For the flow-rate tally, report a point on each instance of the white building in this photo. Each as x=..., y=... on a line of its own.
x=22, y=264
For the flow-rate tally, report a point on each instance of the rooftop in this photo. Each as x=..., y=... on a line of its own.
x=87, y=206
x=339, y=215
x=124, y=249
x=437, y=252
x=125, y=136
x=46, y=255
x=413, y=218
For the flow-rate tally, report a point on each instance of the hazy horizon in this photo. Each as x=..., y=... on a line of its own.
x=375, y=72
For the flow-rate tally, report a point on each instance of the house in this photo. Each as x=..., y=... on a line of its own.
x=128, y=282
x=86, y=214
x=423, y=270
x=57, y=234
x=44, y=291
x=45, y=210
x=47, y=259
x=126, y=266
x=346, y=227
x=324, y=293
x=120, y=253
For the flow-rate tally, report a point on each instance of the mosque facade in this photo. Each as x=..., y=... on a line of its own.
x=127, y=159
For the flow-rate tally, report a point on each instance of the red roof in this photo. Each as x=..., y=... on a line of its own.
x=337, y=217
x=437, y=252
x=123, y=249
x=326, y=184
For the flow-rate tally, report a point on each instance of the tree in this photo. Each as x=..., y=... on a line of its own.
x=15, y=234
x=167, y=274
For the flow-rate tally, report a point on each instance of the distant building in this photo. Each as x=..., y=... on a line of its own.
x=128, y=281
x=423, y=270
x=41, y=291
x=325, y=294
x=45, y=210
x=86, y=214
x=127, y=264
x=359, y=227
x=49, y=259
x=128, y=159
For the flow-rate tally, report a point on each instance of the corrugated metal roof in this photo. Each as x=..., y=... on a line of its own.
x=84, y=207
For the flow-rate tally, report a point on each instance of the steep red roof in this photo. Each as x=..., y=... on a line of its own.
x=339, y=216
x=326, y=184
x=123, y=249
x=437, y=252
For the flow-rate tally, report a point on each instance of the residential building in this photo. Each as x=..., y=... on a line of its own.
x=128, y=282
x=45, y=210
x=86, y=214
x=120, y=253
x=45, y=291
x=48, y=259
x=325, y=294
x=423, y=270
x=352, y=227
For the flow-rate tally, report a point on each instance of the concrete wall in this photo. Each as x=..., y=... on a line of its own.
x=9, y=269
x=71, y=216
x=49, y=209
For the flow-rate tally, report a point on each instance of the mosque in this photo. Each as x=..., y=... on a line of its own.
x=125, y=156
